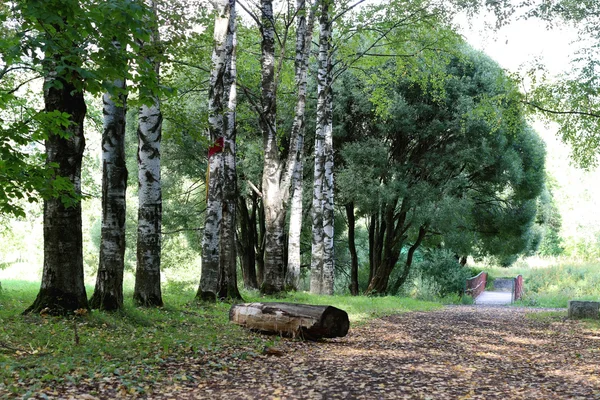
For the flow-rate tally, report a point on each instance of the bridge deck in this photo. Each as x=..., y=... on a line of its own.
x=494, y=298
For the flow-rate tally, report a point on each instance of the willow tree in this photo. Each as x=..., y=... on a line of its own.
x=460, y=169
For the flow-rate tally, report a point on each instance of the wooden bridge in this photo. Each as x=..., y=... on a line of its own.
x=506, y=290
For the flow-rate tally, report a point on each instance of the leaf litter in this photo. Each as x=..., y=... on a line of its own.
x=459, y=352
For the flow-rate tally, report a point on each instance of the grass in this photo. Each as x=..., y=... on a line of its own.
x=554, y=282
x=129, y=349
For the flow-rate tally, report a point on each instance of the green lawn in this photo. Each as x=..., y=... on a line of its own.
x=128, y=348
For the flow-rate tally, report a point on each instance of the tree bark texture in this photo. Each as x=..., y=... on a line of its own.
x=295, y=158
x=213, y=279
x=409, y=259
x=388, y=233
x=295, y=320
x=322, y=259
x=278, y=173
x=62, y=290
x=108, y=293
x=273, y=197
x=246, y=242
x=228, y=257
x=147, y=290
x=352, y=248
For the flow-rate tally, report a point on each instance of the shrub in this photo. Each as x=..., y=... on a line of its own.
x=441, y=268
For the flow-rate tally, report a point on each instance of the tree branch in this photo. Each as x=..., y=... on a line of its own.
x=557, y=112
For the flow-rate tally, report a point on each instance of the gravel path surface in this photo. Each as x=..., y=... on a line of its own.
x=460, y=352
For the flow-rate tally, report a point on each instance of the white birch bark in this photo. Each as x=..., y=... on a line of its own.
x=328, y=204
x=321, y=281
x=303, y=43
x=108, y=293
x=211, y=276
x=228, y=227
x=273, y=191
x=147, y=291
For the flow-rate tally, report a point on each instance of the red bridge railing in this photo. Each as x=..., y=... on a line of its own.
x=476, y=285
x=518, y=288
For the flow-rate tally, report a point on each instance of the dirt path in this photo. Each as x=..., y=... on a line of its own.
x=457, y=353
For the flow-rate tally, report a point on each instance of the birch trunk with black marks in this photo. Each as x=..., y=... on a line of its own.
x=322, y=257
x=62, y=290
x=147, y=290
x=303, y=43
x=211, y=276
x=228, y=254
x=273, y=196
x=108, y=293
x=277, y=172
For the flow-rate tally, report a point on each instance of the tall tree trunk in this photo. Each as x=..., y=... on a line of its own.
x=373, y=222
x=322, y=257
x=273, y=198
x=108, y=293
x=247, y=242
x=303, y=43
x=62, y=290
x=212, y=275
x=387, y=245
x=277, y=173
x=228, y=259
x=328, y=188
x=352, y=248
x=292, y=275
x=409, y=259
x=260, y=234
x=147, y=291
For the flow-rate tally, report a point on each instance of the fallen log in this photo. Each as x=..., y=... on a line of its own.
x=295, y=320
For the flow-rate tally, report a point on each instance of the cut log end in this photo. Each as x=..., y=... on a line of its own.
x=292, y=320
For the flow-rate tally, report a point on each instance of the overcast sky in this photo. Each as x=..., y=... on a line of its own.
x=515, y=47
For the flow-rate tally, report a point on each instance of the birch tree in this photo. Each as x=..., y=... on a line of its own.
x=280, y=156
x=228, y=227
x=322, y=256
x=304, y=32
x=147, y=290
x=217, y=255
x=108, y=293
